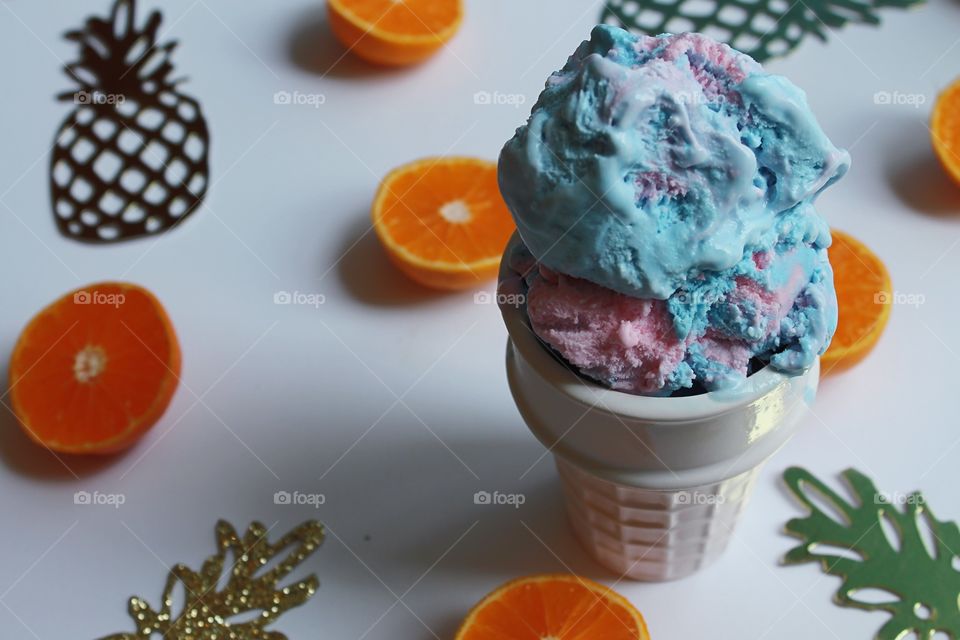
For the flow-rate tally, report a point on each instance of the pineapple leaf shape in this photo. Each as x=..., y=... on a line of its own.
x=234, y=601
x=762, y=28
x=899, y=560
x=131, y=158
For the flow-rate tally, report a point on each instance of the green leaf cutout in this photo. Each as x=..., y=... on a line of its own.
x=762, y=28
x=875, y=546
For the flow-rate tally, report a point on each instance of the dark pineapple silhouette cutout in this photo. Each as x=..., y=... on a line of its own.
x=131, y=159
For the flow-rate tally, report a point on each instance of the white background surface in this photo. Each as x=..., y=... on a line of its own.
x=391, y=400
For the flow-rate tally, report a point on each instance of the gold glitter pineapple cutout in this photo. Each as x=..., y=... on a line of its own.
x=251, y=599
x=131, y=158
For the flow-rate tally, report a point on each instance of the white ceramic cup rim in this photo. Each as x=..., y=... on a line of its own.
x=599, y=398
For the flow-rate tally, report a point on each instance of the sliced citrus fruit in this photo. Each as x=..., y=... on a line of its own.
x=394, y=32
x=443, y=221
x=945, y=130
x=864, y=292
x=95, y=369
x=554, y=607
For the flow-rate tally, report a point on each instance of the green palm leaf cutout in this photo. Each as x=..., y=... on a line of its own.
x=762, y=28
x=236, y=594
x=902, y=553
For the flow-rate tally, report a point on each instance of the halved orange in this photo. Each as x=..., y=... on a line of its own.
x=443, y=221
x=95, y=369
x=945, y=130
x=554, y=607
x=394, y=32
x=864, y=295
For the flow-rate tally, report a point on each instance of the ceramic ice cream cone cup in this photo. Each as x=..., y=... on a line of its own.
x=654, y=485
x=664, y=187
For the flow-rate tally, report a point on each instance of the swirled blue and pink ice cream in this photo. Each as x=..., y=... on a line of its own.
x=663, y=191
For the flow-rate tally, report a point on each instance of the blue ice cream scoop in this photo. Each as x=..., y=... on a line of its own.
x=648, y=162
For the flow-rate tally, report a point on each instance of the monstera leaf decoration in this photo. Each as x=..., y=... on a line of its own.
x=762, y=28
x=892, y=554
